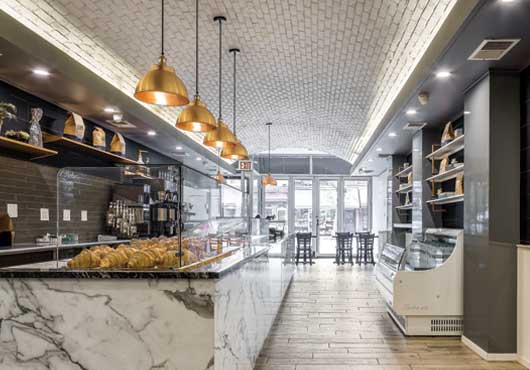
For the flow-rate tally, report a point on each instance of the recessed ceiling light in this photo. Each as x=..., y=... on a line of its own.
x=370, y=160
x=198, y=159
x=379, y=150
x=110, y=110
x=151, y=133
x=411, y=112
x=392, y=134
x=41, y=72
x=118, y=117
x=466, y=112
x=507, y=1
x=178, y=148
x=443, y=74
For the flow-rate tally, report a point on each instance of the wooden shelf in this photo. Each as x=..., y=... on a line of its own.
x=405, y=207
x=405, y=189
x=404, y=172
x=448, y=149
x=447, y=200
x=447, y=175
x=25, y=150
x=66, y=143
x=402, y=226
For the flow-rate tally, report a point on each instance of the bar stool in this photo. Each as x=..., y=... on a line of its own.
x=344, y=248
x=303, y=245
x=365, y=248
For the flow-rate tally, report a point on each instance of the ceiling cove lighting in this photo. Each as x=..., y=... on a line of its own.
x=196, y=117
x=160, y=85
x=221, y=137
x=41, y=72
x=236, y=151
x=151, y=133
x=443, y=74
x=411, y=112
x=269, y=180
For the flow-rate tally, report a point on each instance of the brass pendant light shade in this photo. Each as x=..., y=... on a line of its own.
x=219, y=177
x=236, y=152
x=269, y=180
x=196, y=117
x=221, y=137
x=161, y=85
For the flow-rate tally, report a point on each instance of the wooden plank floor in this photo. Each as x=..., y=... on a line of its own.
x=333, y=318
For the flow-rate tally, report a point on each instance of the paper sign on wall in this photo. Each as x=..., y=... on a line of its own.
x=84, y=216
x=66, y=215
x=44, y=214
x=12, y=210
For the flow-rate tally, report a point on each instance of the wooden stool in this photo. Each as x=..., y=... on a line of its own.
x=344, y=248
x=303, y=245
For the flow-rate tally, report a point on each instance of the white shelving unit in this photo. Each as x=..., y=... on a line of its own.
x=447, y=175
x=448, y=149
x=405, y=189
x=447, y=200
x=404, y=172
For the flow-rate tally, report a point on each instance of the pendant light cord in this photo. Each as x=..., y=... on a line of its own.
x=197, y=47
x=162, y=46
x=220, y=65
x=235, y=52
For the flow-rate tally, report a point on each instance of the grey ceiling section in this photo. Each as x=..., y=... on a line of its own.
x=301, y=165
x=490, y=19
x=75, y=88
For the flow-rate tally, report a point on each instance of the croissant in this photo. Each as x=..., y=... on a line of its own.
x=85, y=259
x=129, y=251
x=115, y=259
x=170, y=259
x=141, y=259
x=101, y=250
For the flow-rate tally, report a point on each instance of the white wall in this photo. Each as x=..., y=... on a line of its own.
x=379, y=203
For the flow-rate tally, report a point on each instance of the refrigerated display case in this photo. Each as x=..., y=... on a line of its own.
x=422, y=284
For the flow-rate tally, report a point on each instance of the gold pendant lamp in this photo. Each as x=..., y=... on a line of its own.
x=219, y=176
x=221, y=137
x=237, y=151
x=161, y=85
x=269, y=180
x=196, y=117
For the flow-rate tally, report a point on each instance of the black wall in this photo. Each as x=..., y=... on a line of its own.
x=525, y=156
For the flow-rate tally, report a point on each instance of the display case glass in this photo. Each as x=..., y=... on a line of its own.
x=431, y=251
x=144, y=217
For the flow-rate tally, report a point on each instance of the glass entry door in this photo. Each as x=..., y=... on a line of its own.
x=303, y=206
x=327, y=219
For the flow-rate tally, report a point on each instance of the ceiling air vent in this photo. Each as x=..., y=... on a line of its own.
x=413, y=126
x=493, y=49
x=120, y=124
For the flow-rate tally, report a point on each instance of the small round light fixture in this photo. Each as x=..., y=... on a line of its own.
x=443, y=74
x=379, y=150
x=178, y=148
x=110, y=110
x=411, y=112
x=41, y=72
x=151, y=133
x=392, y=134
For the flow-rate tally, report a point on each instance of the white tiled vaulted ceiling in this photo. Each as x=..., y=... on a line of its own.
x=323, y=71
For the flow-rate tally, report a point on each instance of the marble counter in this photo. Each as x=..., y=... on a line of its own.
x=217, y=320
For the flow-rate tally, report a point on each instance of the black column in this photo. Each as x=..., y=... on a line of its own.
x=491, y=211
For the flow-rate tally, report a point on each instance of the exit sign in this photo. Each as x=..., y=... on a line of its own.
x=244, y=166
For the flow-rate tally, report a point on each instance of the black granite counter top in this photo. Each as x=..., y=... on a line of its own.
x=58, y=269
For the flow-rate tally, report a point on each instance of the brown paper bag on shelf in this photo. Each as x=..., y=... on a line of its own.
x=117, y=146
x=74, y=127
x=7, y=231
x=409, y=178
x=459, y=185
x=443, y=165
x=448, y=134
x=98, y=138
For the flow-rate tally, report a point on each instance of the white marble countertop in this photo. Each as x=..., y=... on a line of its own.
x=527, y=246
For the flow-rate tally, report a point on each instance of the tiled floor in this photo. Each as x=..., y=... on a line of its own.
x=333, y=318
